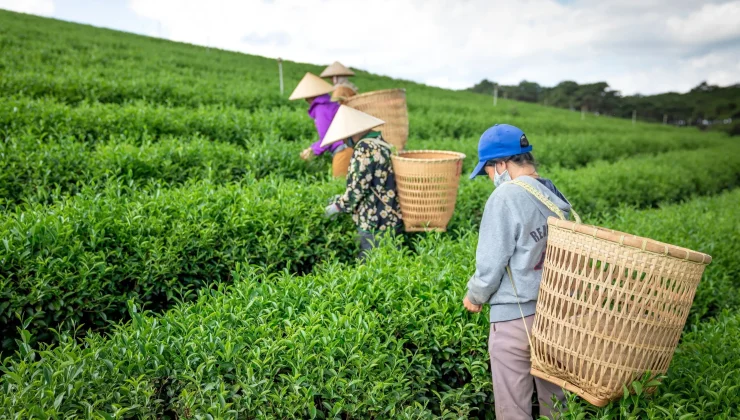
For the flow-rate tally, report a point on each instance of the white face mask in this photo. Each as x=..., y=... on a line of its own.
x=500, y=179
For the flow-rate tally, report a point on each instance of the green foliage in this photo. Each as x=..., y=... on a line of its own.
x=80, y=260
x=33, y=170
x=347, y=341
x=139, y=121
x=704, y=106
x=648, y=181
x=165, y=253
x=573, y=151
x=365, y=342
x=601, y=188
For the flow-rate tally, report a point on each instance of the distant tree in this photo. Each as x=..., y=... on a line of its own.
x=527, y=91
x=485, y=87
x=715, y=105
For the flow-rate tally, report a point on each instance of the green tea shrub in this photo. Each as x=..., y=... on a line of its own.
x=73, y=64
x=341, y=341
x=80, y=260
x=141, y=173
x=648, y=181
x=34, y=170
x=601, y=188
x=567, y=151
x=140, y=121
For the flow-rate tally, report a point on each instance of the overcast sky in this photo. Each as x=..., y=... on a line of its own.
x=645, y=46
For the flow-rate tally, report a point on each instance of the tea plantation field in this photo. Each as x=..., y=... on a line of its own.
x=164, y=252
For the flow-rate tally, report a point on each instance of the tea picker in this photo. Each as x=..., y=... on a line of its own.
x=427, y=180
x=370, y=196
x=512, y=238
x=322, y=110
x=575, y=306
x=343, y=88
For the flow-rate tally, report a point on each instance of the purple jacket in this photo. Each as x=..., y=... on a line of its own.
x=322, y=110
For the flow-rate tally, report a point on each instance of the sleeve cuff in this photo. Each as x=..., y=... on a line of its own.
x=473, y=300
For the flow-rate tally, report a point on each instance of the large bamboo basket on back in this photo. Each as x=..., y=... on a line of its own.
x=342, y=93
x=427, y=182
x=611, y=307
x=390, y=106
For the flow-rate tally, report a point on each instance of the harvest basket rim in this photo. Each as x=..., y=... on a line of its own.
x=376, y=92
x=632, y=241
x=400, y=157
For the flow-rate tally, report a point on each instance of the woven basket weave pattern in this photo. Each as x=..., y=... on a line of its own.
x=342, y=93
x=607, y=312
x=427, y=183
x=389, y=106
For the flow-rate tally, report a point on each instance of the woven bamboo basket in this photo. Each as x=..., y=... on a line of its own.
x=427, y=182
x=611, y=307
x=390, y=106
x=342, y=93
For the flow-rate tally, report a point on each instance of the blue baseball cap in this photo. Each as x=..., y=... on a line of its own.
x=499, y=141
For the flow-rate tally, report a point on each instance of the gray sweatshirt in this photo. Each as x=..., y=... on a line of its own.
x=514, y=232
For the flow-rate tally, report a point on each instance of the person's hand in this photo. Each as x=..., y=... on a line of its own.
x=470, y=306
x=331, y=210
x=307, y=154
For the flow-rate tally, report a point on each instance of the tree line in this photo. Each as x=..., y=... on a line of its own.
x=705, y=106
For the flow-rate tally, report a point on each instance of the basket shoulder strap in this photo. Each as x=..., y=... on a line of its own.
x=521, y=311
x=395, y=213
x=544, y=200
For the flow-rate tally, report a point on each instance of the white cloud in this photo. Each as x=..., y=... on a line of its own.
x=711, y=23
x=636, y=45
x=34, y=7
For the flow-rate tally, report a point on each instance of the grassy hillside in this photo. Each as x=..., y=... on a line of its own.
x=165, y=253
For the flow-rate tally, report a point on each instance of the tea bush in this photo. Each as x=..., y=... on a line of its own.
x=345, y=342
x=568, y=151
x=601, y=188
x=140, y=121
x=141, y=173
x=647, y=181
x=81, y=259
x=34, y=170
x=75, y=65
x=341, y=341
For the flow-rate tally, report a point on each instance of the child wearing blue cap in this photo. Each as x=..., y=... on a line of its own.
x=509, y=261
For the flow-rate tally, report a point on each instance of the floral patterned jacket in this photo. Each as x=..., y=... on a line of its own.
x=370, y=169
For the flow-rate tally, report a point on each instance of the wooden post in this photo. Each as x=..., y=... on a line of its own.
x=280, y=69
x=665, y=119
x=583, y=112
x=495, y=94
x=634, y=116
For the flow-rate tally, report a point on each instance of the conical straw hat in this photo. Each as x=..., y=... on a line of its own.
x=348, y=122
x=337, y=69
x=310, y=87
